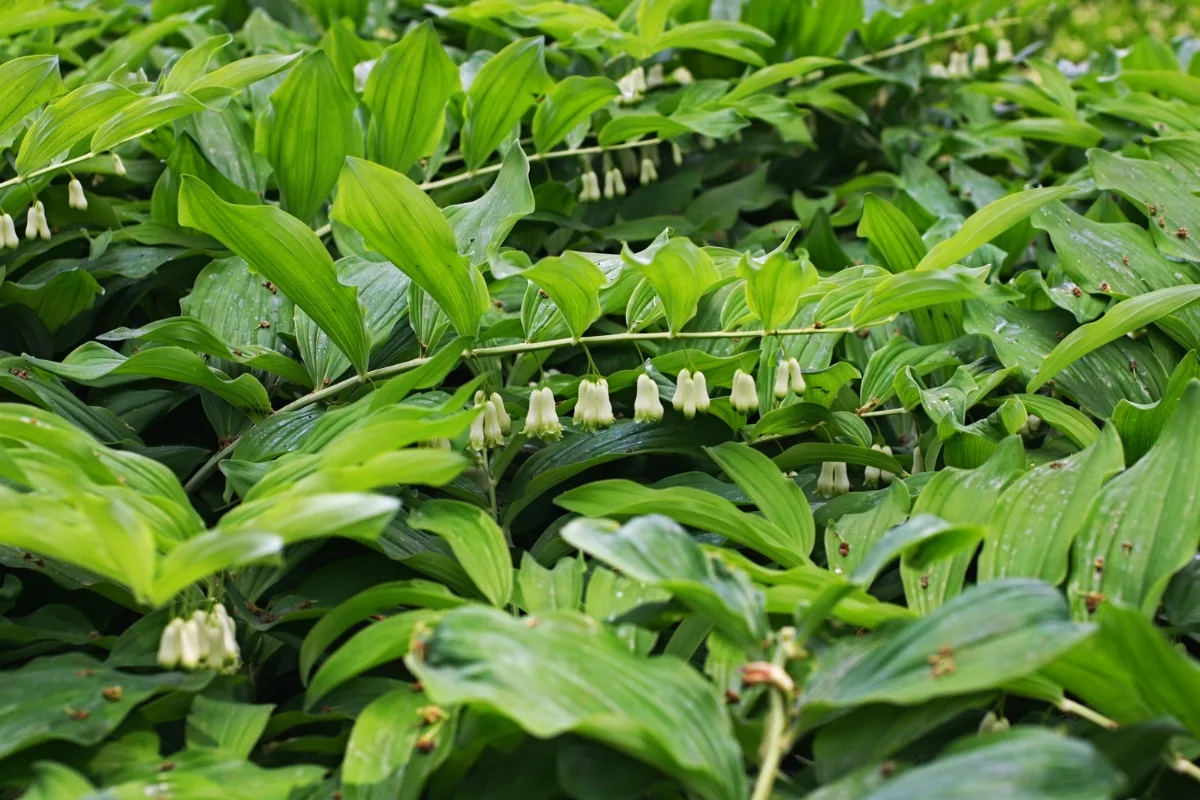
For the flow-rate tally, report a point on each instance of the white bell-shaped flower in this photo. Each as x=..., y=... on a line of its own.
x=872, y=476
x=938, y=70
x=649, y=172
x=960, y=66
x=700, y=392
x=550, y=429
x=798, y=385
x=229, y=643
x=682, y=76
x=684, y=400
x=980, y=60
x=477, y=439
x=170, y=644
x=8, y=232
x=42, y=228
x=604, y=412
x=493, y=436
x=744, y=397
x=118, y=166
x=191, y=646
x=584, y=414
x=655, y=76
x=618, y=183
x=646, y=405
x=31, y=222
x=1004, y=51
x=833, y=479
x=502, y=413
x=76, y=199
x=783, y=382
x=610, y=187
x=676, y=153
x=918, y=461
x=590, y=190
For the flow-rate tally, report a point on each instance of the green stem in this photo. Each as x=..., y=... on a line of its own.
x=1177, y=762
x=773, y=744
x=209, y=466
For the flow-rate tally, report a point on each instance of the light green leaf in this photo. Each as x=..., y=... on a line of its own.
x=915, y=289
x=851, y=537
x=501, y=93
x=68, y=120
x=775, y=282
x=237, y=75
x=1070, y=421
x=407, y=92
x=192, y=65
x=1167, y=82
x=1059, y=130
x=921, y=540
x=382, y=758
x=482, y=225
x=569, y=674
x=1126, y=316
x=28, y=82
x=1150, y=184
x=570, y=103
x=573, y=284
x=892, y=234
x=680, y=273
x=400, y=221
x=777, y=73
x=142, y=116
x=777, y=496
x=285, y=251
x=229, y=728
x=989, y=222
x=307, y=134
x=476, y=541
x=207, y=554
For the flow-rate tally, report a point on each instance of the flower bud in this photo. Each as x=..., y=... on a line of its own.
x=477, y=439
x=590, y=187
x=649, y=172
x=493, y=436
x=682, y=76
x=8, y=232
x=42, y=229
x=118, y=166
x=75, y=196
x=782, y=379
x=938, y=70
x=685, y=394
x=502, y=414
x=190, y=647
x=676, y=153
x=833, y=479
x=980, y=61
x=960, y=66
x=618, y=182
x=610, y=186
x=799, y=387
x=700, y=392
x=169, y=644
x=1004, y=51
x=229, y=643
x=646, y=406
x=744, y=397
x=31, y=222
x=918, y=461
x=604, y=412
x=993, y=723
x=654, y=76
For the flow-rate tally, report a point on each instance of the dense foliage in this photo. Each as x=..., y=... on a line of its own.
x=610, y=399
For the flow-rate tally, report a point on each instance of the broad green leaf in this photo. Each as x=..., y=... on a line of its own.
x=993, y=634
x=775, y=282
x=481, y=226
x=287, y=253
x=1021, y=763
x=93, y=363
x=407, y=92
x=501, y=93
x=570, y=674
x=680, y=273
x=719, y=37
x=799, y=455
x=1151, y=185
x=657, y=552
x=573, y=282
x=960, y=497
x=383, y=597
x=1168, y=82
x=1040, y=513
x=476, y=541
x=1144, y=525
x=569, y=104
x=307, y=134
x=192, y=65
x=237, y=75
x=1125, y=316
x=1058, y=130
x=891, y=233
x=900, y=354
x=379, y=643
x=918, y=542
x=1109, y=671
x=989, y=222
x=28, y=82
x=1029, y=95
x=777, y=73
x=229, y=728
x=694, y=507
x=208, y=554
x=850, y=537
x=777, y=496
x=68, y=120
x=559, y=589
x=57, y=300
x=142, y=116
x=33, y=16
x=1070, y=421
x=37, y=694
x=914, y=289
x=1140, y=424
x=399, y=220
x=382, y=758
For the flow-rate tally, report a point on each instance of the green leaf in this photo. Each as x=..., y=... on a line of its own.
x=772, y=74
x=921, y=540
x=476, y=541
x=1058, y=130
x=775, y=282
x=382, y=757
x=307, y=134
x=1141, y=424
x=481, y=226
x=657, y=552
x=778, y=497
x=569, y=104
x=500, y=95
x=68, y=120
x=1040, y=513
x=1021, y=763
x=28, y=82
x=57, y=300
x=690, y=506
x=1144, y=525
x=1168, y=82
x=891, y=233
x=799, y=455
x=40, y=695
x=573, y=282
x=208, y=554
x=960, y=497
x=1149, y=183
x=407, y=92
x=229, y=728
x=680, y=273
x=851, y=537
x=237, y=75
x=900, y=354
x=989, y=222
x=1125, y=316
x=558, y=589
x=33, y=16
x=286, y=252
x=569, y=674
x=192, y=65
x=142, y=116
x=93, y=363
x=914, y=289
x=399, y=220
x=993, y=634
x=1031, y=96
x=1070, y=421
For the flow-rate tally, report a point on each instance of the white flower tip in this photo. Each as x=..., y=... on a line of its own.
x=1004, y=51
x=118, y=165
x=75, y=196
x=647, y=407
x=744, y=397
x=501, y=413
x=8, y=232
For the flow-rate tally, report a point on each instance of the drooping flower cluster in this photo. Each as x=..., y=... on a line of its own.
x=788, y=375
x=202, y=641
x=489, y=428
x=833, y=479
x=646, y=406
x=873, y=475
x=8, y=232
x=691, y=394
x=542, y=420
x=744, y=397
x=593, y=409
x=633, y=86
x=35, y=222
